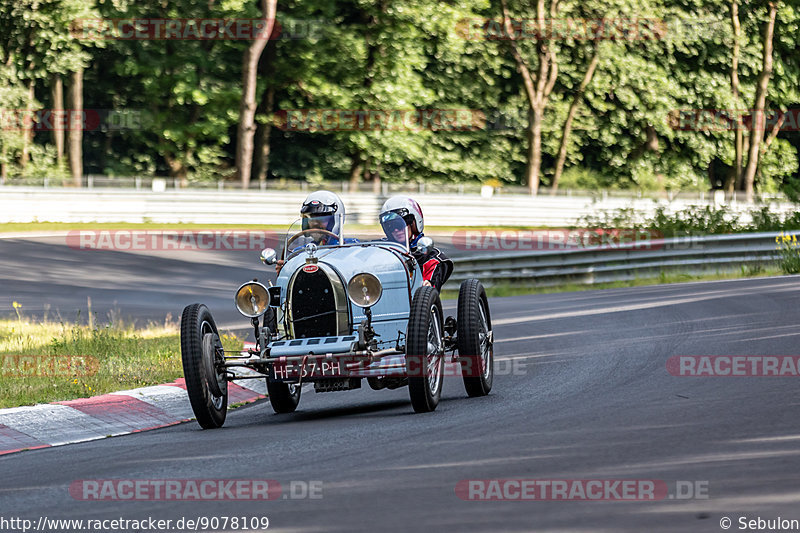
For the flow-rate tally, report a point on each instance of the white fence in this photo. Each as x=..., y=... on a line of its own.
x=29, y=204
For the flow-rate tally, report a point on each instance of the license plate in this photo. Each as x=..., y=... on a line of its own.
x=312, y=369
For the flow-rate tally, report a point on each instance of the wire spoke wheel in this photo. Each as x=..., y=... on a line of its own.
x=475, y=339
x=425, y=350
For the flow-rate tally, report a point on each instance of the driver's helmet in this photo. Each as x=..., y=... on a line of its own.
x=323, y=210
x=398, y=213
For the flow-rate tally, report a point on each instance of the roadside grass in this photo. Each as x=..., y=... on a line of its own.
x=44, y=361
x=501, y=290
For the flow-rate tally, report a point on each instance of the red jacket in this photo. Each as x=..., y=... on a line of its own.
x=436, y=267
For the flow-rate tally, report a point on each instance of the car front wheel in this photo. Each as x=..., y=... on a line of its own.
x=201, y=354
x=283, y=397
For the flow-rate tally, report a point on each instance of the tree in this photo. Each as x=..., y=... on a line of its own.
x=247, y=108
x=758, y=123
x=538, y=83
x=39, y=45
x=573, y=109
x=75, y=138
x=737, y=131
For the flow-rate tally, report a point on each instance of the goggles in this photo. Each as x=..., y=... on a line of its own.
x=392, y=223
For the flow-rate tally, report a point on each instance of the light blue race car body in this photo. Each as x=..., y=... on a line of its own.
x=314, y=284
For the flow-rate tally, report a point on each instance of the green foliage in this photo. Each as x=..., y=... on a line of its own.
x=696, y=220
x=790, y=253
x=585, y=179
x=410, y=55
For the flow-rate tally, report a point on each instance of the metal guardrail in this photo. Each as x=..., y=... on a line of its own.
x=645, y=259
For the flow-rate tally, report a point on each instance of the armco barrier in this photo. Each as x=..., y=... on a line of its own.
x=712, y=253
x=29, y=204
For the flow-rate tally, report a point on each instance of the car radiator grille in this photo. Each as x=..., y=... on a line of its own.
x=313, y=305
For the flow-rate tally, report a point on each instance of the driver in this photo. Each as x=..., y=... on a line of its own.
x=402, y=221
x=322, y=210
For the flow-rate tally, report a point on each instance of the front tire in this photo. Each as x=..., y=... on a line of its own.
x=199, y=339
x=475, y=343
x=283, y=397
x=425, y=350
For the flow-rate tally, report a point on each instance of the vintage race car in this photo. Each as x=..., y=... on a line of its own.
x=340, y=311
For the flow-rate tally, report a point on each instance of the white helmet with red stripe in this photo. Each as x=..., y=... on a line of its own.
x=407, y=208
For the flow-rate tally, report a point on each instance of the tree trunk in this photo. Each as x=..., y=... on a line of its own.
x=738, y=133
x=356, y=168
x=650, y=143
x=27, y=127
x=247, y=109
x=266, y=70
x=573, y=109
x=776, y=129
x=376, y=180
x=75, y=125
x=537, y=87
x=263, y=132
x=58, y=110
x=757, y=131
x=3, y=165
x=177, y=169
x=534, y=164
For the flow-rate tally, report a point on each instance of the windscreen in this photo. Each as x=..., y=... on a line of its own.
x=322, y=230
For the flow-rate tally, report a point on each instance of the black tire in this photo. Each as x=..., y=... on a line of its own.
x=210, y=410
x=475, y=348
x=283, y=397
x=425, y=380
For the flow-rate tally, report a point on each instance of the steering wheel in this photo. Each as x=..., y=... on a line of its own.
x=310, y=230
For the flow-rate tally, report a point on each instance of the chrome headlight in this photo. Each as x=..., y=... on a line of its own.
x=252, y=299
x=364, y=290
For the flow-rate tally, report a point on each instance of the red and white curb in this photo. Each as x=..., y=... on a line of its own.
x=118, y=413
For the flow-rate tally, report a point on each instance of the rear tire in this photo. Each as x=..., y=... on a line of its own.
x=475, y=343
x=209, y=409
x=425, y=350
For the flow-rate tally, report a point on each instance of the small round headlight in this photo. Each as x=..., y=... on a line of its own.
x=364, y=290
x=252, y=299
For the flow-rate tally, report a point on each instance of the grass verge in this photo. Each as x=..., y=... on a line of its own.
x=48, y=361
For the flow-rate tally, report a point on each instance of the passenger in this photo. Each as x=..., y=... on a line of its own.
x=402, y=221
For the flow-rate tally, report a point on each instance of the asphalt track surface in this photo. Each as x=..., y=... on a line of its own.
x=582, y=393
